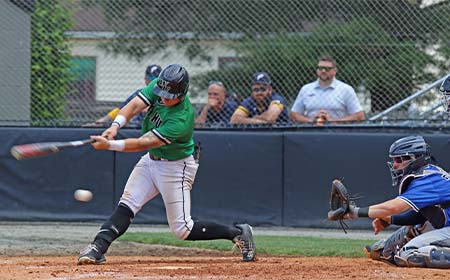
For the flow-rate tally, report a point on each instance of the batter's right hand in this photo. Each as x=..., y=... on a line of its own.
x=101, y=143
x=111, y=132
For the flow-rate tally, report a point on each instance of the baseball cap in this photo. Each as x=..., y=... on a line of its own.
x=261, y=78
x=152, y=71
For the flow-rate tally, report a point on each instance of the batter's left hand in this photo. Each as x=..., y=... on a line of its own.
x=111, y=132
x=101, y=143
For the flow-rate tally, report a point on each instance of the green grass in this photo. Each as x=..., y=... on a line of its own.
x=273, y=245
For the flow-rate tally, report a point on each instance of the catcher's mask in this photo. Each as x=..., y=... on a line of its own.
x=413, y=151
x=444, y=90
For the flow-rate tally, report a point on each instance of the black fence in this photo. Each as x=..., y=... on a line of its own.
x=274, y=177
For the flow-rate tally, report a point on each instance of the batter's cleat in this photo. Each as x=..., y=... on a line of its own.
x=91, y=255
x=245, y=243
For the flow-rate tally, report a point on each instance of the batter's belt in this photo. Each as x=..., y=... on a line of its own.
x=153, y=157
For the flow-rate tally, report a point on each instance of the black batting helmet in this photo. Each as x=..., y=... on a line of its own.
x=444, y=90
x=173, y=82
x=412, y=149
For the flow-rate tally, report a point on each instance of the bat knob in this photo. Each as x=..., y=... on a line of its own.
x=16, y=154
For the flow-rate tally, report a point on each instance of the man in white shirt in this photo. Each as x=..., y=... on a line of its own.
x=327, y=99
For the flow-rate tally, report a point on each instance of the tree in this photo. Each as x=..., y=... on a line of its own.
x=50, y=61
x=380, y=44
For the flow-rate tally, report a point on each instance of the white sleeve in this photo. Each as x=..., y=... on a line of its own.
x=299, y=106
x=351, y=101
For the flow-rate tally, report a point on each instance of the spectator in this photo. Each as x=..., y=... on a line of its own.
x=263, y=106
x=444, y=91
x=151, y=73
x=327, y=99
x=218, y=110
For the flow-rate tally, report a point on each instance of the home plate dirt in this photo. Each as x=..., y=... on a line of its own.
x=212, y=267
x=34, y=251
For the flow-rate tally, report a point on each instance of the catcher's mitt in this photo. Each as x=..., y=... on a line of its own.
x=340, y=203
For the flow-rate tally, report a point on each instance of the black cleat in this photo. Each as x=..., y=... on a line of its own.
x=245, y=243
x=91, y=255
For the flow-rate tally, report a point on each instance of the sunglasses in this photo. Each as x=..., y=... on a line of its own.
x=259, y=89
x=402, y=158
x=326, y=68
x=214, y=94
x=219, y=83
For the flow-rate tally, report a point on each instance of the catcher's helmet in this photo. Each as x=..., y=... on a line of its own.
x=444, y=90
x=173, y=82
x=413, y=149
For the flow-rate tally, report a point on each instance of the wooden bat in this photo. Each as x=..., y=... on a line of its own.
x=33, y=150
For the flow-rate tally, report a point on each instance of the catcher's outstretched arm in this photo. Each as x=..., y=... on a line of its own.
x=387, y=208
x=407, y=218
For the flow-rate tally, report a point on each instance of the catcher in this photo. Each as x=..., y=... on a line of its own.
x=424, y=192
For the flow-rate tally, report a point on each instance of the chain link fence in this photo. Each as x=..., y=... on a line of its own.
x=70, y=62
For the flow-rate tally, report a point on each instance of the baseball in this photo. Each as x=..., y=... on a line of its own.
x=83, y=195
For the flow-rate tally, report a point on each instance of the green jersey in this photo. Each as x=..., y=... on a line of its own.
x=172, y=125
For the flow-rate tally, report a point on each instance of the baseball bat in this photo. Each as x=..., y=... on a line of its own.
x=33, y=150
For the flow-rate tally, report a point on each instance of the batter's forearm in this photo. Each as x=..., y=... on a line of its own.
x=134, y=107
x=145, y=142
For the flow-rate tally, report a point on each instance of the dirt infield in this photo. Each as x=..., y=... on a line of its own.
x=145, y=267
x=49, y=251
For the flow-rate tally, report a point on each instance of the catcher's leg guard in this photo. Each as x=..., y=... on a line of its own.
x=374, y=251
x=439, y=258
x=428, y=256
x=394, y=243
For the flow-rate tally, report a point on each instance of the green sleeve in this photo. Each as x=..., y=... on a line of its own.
x=173, y=129
x=147, y=92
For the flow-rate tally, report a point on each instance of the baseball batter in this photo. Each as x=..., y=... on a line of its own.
x=168, y=168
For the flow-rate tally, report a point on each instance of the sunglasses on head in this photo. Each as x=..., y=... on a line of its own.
x=401, y=159
x=259, y=89
x=326, y=68
x=219, y=83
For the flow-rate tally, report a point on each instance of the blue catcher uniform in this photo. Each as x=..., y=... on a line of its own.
x=425, y=188
x=428, y=187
